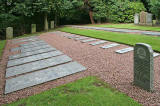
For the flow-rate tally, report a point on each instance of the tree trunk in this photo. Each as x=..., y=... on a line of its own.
x=45, y=22
x=91, y=17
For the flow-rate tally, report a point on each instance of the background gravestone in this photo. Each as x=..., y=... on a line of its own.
x=52, y=24
x=33, y=28
x=149, y=19
x=136, y=18
x=143, y=17
x=9, y=33
x=143, y=66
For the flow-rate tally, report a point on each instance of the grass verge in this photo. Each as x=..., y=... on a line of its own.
x=2, y=45
x=125, y=38
x=128, y=26
x=88, y=91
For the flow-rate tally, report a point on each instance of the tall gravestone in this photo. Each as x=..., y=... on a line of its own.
x=52, y=24
x=136, y=18
x=143, y=18
x=149, y=19
x=33, y=28
x=9, y=33
x=143, y=66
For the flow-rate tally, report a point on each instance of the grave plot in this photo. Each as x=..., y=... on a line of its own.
x=98, y=42
x=37, y=64
x=88, y=40
x=125, y=50
x=110, y=45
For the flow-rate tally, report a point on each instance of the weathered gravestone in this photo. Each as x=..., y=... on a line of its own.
x=149, y=19
x=52, y=24
x=9, y=33
x=143, y=66
x=136, y=18
x=143, y=17
x=33, y=28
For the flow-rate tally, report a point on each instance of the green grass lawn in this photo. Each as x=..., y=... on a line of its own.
x=2, y=45
x=128, y=26
x=125, y=38
x=88, y=91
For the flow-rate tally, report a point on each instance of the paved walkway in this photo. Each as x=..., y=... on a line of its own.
x=110, y=61
x=152, y=33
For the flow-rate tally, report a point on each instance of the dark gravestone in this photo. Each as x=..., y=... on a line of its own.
x=143, y=66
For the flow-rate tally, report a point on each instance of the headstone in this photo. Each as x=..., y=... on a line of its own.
x=143, y=18
x=143, y=66
x=52, y=24
x=149, y=19
x=33, y=28
x=136, y=18
x=9, y=33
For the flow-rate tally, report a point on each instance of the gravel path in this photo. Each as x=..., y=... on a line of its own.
x=151, y=33
x=115, y=69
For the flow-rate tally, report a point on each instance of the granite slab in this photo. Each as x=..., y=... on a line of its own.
x=155, y=54
x=88, y=40
x=26, y=54
x=98, y=42
x=42, y=76
x=110, y=45
x=37, y=65
x=33, y=58
x=121, y=51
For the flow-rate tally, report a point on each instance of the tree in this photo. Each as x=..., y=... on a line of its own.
x=155, y=8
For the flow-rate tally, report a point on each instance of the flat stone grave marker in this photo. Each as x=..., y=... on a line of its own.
x=155, y=54
x=28, y=46
x=33, y=58
x=98, y=42
x=37, y=65
x=27, y=40
x=26, y=54
x=125, y=50
x=110, y=45
x=42, y=76
x=32, y=43
x=81, y=38
x=143, y=66
x=24, y=38
x=35, y=48
x=88, y=40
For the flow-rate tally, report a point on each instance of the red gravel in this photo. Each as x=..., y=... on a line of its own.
x=115, y=69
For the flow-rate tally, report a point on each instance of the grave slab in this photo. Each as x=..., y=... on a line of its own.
x=110, y=45
x=125, y=50
x=33, y=58
x=27, y=40
x=155, y=54
x=42, y=76
x=88, y=40
x=32, y=43
x=37, y=65
x=99, y=42
x=81, y=38
x=26, y=54
x=35, y=48
x=28, y=46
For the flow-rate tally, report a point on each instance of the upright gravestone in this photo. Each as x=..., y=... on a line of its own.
x=52, y=24
x=33, y=28
x=149, y=19
x=143, y=66
x=136, y=18
x=143, y=18
x=9, y=33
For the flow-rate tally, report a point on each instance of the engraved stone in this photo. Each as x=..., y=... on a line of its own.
x=9, y=33
x=37, y=65
x=110, y=45
x=88, y=40
x=125, y=50
x=31, y=53
x=81, y=38
x=33, y=58
x=52, y=24
x=42, y=76
x=136, y=18
x=143, y=66
x=98, y=42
